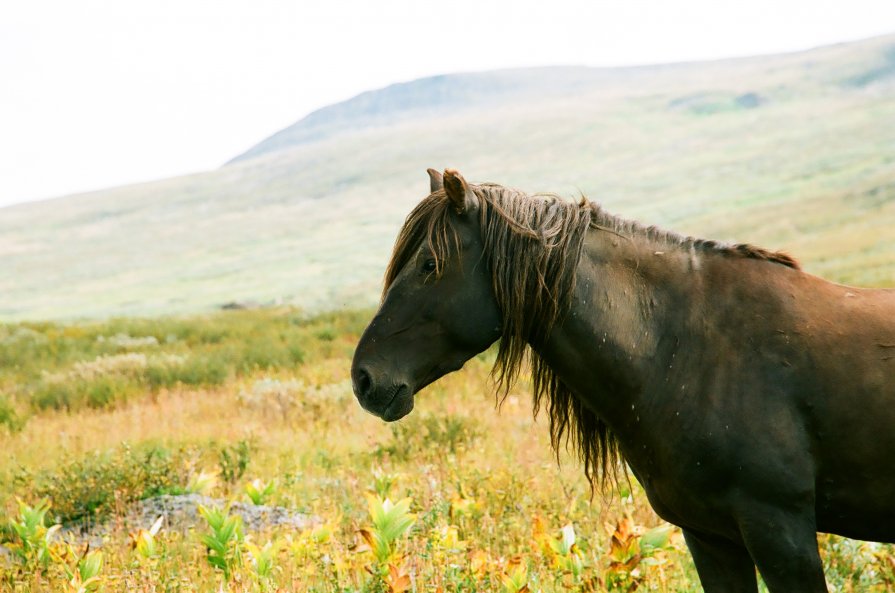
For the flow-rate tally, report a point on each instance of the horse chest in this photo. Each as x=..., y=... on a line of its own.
x=694, y=502
x=686, y=475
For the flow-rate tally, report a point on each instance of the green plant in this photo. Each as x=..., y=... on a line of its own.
x=144, y=541
x=234, y=460
x=326, y=334
x=383, y=482
x=34, y=537
x=656, y=539
x=630, y=554
x=390, y=522
x=515, y=578
x=263, y=562
x=445, y=433
x=886, y=561
x=567, y=554
x=9, y=417
x=84, y=576
x=201, y=483
x=95, y=392
x=224, y=543
x=852, y=565
x=211, y=368
x=259, y=492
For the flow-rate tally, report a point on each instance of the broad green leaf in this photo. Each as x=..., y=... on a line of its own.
x=656, y=538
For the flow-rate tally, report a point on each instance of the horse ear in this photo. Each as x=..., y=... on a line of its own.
x=436, y=181
x=456, y=189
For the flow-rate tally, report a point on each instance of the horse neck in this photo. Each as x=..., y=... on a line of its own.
x=613, y=342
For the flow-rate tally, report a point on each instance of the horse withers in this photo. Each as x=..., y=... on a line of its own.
x=755, y=403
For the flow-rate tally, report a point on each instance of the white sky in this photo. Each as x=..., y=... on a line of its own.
x=97, y=93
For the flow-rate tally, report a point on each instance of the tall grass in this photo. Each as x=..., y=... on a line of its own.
x=456, y=497
x=104, y=364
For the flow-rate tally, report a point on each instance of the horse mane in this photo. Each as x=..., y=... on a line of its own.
x=532, y=245
x=606, y=221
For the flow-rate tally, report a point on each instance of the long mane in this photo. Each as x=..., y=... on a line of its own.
x=532, y=245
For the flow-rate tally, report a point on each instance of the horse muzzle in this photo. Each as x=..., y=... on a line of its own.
x=389, y=401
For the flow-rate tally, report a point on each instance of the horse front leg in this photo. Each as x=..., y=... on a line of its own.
x=783, y=545
x=723, y=566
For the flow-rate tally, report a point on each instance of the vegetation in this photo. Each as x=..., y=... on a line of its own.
x=456, y=497
x=103, y=365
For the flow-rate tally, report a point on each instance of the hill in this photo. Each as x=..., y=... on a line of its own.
x=793, y=152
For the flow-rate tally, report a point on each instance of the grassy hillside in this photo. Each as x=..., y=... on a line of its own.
x=793, y=152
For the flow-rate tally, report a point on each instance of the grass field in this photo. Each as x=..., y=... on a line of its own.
x=263, y=395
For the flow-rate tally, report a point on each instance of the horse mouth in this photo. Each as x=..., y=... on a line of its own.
x=400, y=404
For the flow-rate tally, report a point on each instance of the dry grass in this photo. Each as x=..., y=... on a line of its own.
x=487, y=495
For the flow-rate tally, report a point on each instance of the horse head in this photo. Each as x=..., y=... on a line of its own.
x=438, y=308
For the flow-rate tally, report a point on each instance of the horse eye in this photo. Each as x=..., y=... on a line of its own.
x=429, y=265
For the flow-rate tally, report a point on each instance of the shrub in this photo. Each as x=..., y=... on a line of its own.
x=74, y=394
x=234, y=460
x=268, y=352
x=429, y=432
x=325, y=334
x=272, y=396
x=9, y=417
x=207, y=369
x=90, y=487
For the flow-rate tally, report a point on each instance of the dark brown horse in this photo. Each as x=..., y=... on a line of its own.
x=755, y=403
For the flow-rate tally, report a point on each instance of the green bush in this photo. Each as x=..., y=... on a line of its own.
x=100, y=392
x=325, y=334
x=52, y=396
x=208, y=369
x=234, y=459
x=9, y=417
x=89, y=488
x=424, y=432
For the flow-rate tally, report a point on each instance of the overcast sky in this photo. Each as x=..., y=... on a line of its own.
x=97, y=93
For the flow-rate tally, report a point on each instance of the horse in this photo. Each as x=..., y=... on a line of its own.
x=754, y=402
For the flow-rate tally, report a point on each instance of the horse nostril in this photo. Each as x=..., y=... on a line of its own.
x=363, y=384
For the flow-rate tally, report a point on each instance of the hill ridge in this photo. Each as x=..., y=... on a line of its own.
x=788, y=152
x=385, y=105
